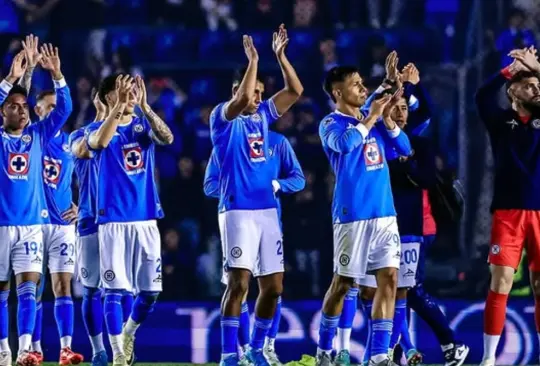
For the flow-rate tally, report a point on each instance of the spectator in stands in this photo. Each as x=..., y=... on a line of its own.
x=263, y=14
x=516, y=35
x=219, y=11
x=373, y=62
x=83, y=110
x=345, y=13
x=304, y=12
x=121, y=63
x=374, y=12
x=328, y=53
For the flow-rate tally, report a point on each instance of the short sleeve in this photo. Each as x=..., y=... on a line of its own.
x=268, y=107
x=74, y=137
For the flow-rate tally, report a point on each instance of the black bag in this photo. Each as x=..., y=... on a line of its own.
x=447, y=199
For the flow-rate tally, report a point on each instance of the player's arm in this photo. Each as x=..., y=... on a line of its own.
x=18, y=67
x=390, y=131
x=291, y=178
x=50, y=61
x=246, y=89
x=79, y=145
x=211, y=178
x=100, y=138
x=32, y=56
x=161, y=133
x=293, y=89
x=391, y=79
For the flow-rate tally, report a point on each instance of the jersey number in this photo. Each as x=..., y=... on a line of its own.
x=32, y=246
x=64, y=247
x=279, y=247
x=410, y=256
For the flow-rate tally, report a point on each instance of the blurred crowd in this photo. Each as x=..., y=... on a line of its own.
x=187, y=49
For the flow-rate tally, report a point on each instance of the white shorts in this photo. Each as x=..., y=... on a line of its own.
x=252, y=240
x=21, y=249
x=59, y=248
x=130, y=256
x=410, y=250
x=88, y=260
x=362, y=247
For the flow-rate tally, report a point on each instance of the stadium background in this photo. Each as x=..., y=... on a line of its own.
x=187, y=50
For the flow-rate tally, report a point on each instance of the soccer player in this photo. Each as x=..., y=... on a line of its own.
x=87, y=237
x=515, y=139
x=249, y=224
x=127, y=206
x=366, y=238
x=287, y=178
x=23, y=204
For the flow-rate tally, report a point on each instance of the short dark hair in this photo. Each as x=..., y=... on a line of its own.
x=239, y=75
x=16, y=89
x=337, y=74
x=521, y=75
x=106, y=86
x=44, y=93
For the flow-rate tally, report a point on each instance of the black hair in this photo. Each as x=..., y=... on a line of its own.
x=239, y=75
x=519, y=76
x=44, y=94
x=337, y=74
x=16, y=89
x=106, y=86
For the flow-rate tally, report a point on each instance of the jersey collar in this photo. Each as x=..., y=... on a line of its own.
x=336, y=111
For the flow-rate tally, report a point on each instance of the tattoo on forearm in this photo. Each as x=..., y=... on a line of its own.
x=26, y=80
x=119, y=115
x=161, y=132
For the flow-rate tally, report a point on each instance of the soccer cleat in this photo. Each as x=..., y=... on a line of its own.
x=387, y=362
x=456, y=355
x=256, y=357
x=244, y=361
x=68, y=357
x=5, y=358
x=229, y=361
x=323, y=359
x=343, y=358
x=119, y=360
x=25, y=358
x=414, y=358
x=100, y=359
x=129, y=344
x=271, y=356
x=38, y=355
x=488, y=362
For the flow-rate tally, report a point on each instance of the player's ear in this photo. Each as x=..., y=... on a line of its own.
x=337, y=93
x=36, y=110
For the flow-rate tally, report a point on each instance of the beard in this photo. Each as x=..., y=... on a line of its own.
x=532, y=107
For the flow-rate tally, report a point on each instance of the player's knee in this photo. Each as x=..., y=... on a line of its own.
x=367, y=293
x=148, y=298
x=502, y=279
x=273, y=290
x=341, y=285
x=91, y=292
x=387, y=277
x=401, y=293
x=62, y=288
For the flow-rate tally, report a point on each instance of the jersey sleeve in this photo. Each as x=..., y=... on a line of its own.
x=75, y=137
x=291, y=178
x=371, y=98
x=88, y=131
x=339, y=138
x=487, y=97
x=268, y=107
x=60, y=114
x=211, y=178
x=5, y=88
x=396, y=139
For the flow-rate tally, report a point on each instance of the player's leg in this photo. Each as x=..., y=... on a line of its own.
x=116, y=261
x=92, y=306
x=507, y=242
x=270, y=341
x=533, y=255
x=27, y=262
x=36, y=336
x=240, y=239
x=350, y=260
x=127, y=304
x=343, y=340
x=245, y=327
x=367, y=293
x=61, y=262
x=8, y=235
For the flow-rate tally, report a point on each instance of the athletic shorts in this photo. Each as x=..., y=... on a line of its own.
x=59, y=248
x=88, y=273
x=21, y=250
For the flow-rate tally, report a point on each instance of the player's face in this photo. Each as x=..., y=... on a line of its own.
x=45, y=106
x=527, y=91
x=15, y=112
x=400, y=113
x=352, y=91
x=256, y=100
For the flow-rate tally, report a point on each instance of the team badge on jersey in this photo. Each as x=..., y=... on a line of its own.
x=256, y=149
x=51, y=170
x=138, y=128
x=133, y=159
x=536, y=123
x=26, y=138
x=256, y=117
x=372, y=156
x=18, y=165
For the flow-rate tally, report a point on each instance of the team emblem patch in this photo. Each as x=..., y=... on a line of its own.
x=372, y=156
x=109, y=276
x=18, y=163
x=536, y=123
x=84, y=273
x=65, y=147
x=495, y=249
x=256, y=147
x=344, y=260
x=132, y=158
x=51, y=171
x=138, y=128
x=26, y=138
x=256, y=117
x=44, y=214
x=236, y=252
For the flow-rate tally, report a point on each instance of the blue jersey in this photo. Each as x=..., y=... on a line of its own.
x=22, y=198
x=284, y=165
x=86, y=172
x=362, y=189
x=127, y=190
x=57, y=174
x=241, y=148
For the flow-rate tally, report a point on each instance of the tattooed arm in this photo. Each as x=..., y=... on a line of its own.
x=26, y=80
x=33, y=57
x=161, y=133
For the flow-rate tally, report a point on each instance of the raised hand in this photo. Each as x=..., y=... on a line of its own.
x=124, y=86
x=280, y=40
x=18, y=67
x=51, y=60
x=141, y=95
x=31, y=52
x=391, y=66
x=410, y=74
x=249, y=49
x=393, y=101
x=527, y=57
x=377, y=106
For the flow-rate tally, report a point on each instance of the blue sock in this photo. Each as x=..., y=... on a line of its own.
x=229, y=334
x=143, y=306
x=113, y=311
x=4, y=316
x=260, y=330
x=127, y=304
x=380, y=338
x=36, y=336
x=26, y=309
x=400, y=316
x=427, y=308
x=327, y=331
x=349, y=308
x=367, y=306
x=64, y=314
x=243, y=332
x=92, y=311
x=405, y=341
x=274, y=329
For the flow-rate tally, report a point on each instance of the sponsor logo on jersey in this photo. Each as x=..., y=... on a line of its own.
x=256, y=148
x=51, y=171
x=133, y=159
x=18, y=165
x=373, y=156
x=536, y=123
